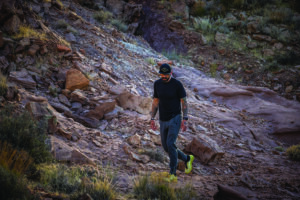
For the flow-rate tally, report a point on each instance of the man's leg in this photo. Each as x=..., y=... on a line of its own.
x=174, y=127
x=164, y=134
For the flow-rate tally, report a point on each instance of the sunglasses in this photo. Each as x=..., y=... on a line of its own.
x=164, y=75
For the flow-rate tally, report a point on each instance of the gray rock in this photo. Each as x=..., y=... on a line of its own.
x=22, y=78
x=76, y=106
x=70, y=37
x=64, y=100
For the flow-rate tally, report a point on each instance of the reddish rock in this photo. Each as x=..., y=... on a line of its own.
x=170, y=62
x=134, y=140
x=33, y=49
x=205, y=149
x=101, y=110
x=76, y=80
x=62, y=48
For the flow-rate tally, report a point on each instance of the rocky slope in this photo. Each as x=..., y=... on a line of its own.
x=97, y=93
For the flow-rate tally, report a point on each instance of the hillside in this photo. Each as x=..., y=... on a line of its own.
x=87, y=68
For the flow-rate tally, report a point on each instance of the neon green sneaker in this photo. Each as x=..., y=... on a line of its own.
x=171, y=178
x=189, y=164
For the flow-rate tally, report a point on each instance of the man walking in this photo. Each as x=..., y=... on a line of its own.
x=170, y=99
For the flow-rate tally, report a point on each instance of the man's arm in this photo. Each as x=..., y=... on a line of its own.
x=154, y=107
x=184, y=107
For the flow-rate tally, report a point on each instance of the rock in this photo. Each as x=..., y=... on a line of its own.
x=75, y=106
x=33, y=49
x=138, y=103
x=205, y=149
x=40, y=111
x=88, y=122
x=252, y=27
x=262, y=37
x=226, y=76
x=113, y=114
x=12, y=25
x=64, y=100
x=226, y=193
x=116, y=7
x=288, y=89
x=3, y=63
x=175, y=25
x=36, y=8
x=78, y=96
x=62, y=130
x=59, y=107
x=22, y=78
x=101, y=110
x=132, y=13
x=64, y=153
x=62, y=48
x=169, y=62
x=268, y=52
x=134, y=156
x=117, y=89
x=251, y=45
x=70, y=37
x=220, y=37
x=134, y=140
x=76, y=80
x=278, y=45
x=25, y=42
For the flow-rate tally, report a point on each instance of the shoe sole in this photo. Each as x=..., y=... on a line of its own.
x=191, y=161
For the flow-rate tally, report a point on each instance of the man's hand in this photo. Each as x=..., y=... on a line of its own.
x=183, y=125
x=153, y=125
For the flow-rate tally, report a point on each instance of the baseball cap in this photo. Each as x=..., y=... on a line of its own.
x=165, y=69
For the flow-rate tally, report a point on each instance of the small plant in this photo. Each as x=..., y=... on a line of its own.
x=156, y=187
x=3, y=85
x=173, y=55
x=28, y=32
x=24, y=133
x=151, y=61
x=12, y=186
x=119, y=25
x=62, y=24
x=213, y=69
x=279, y=148
x=14, y=160
x=203, y=24
x=102, y=16
x=294, y=152
x=102, y=190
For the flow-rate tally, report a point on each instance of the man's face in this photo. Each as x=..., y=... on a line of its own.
x=165, y=77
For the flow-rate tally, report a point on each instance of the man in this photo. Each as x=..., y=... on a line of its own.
x=170, y=99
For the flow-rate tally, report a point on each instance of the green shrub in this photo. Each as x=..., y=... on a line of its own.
x=14, y=160
x=12, y=186
x=279, y=148
x=119, y=25
x=150, y=61
x=102, y=16
x=294, y=152
x=203, y=24
x=155, y=187
x=24, y=133
x=3, y=85
x=102, y=190
x=77, y=180
x=213, y=69
x=62, y=24
x=279, y=15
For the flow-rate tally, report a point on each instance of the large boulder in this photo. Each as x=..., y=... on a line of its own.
x=22, y=78
x=205, y=149
x=76, y=80
x=64, y=153
x=101, y=110
x=40, y=111
x=133, y=102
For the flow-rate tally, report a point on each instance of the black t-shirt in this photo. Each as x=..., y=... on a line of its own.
x=169, y=95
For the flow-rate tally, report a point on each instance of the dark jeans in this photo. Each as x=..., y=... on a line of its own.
x=169, y=132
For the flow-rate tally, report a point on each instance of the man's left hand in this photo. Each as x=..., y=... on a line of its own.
x=183, y=125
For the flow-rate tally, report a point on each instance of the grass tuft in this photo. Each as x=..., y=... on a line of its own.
x=102, y=16
x=294, y=152
x=3, y=85
x=155, y=187
x=28, y=32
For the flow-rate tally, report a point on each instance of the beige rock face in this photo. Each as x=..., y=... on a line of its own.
x=101, y=110
x=129, y=101
x=205, y=149
x=76, y=80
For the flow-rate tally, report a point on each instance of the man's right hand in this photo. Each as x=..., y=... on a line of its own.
x=153, y=125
